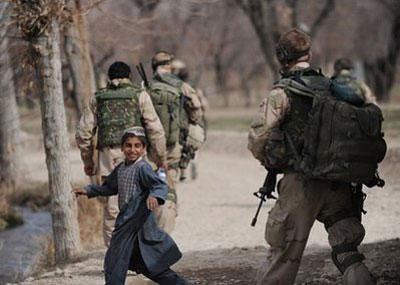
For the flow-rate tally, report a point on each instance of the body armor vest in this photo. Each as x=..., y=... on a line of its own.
x=117, y=110
x=168, y=101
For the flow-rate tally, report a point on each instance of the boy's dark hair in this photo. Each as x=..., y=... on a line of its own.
x=126, y=136
x=119, y=69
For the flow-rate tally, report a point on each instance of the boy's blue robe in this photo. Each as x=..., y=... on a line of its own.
x=135, y=221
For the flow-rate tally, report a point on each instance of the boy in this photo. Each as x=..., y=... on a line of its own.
x=137, y=243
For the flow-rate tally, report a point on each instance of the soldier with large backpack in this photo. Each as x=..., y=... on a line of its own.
x=112, y=110
x=177, y=106
x=327, y=142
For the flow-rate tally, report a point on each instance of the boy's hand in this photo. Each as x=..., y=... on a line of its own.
x=79, y=191
x=152, y=203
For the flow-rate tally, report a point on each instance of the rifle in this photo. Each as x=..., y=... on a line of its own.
x=265, y=191
x=142, y=74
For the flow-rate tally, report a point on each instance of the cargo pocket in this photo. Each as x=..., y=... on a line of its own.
x=276, y=229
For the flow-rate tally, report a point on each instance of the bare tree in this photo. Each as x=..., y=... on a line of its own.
x=271, y=17
x=76, y=45
x=39, y=22
x=380, y=72
x=9, y=117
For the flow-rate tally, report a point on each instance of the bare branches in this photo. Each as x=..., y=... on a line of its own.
x=34, y=16
x=326, y=10
x=146, y=7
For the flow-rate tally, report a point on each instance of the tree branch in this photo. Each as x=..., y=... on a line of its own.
x=326, y=10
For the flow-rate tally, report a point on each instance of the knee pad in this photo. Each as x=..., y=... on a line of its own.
x=345, y=255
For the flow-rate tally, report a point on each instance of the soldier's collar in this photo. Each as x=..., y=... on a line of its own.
x=119, y=82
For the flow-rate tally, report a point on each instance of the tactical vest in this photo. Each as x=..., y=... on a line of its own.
x=323, y=137
x=168, y=101
x=117, y=110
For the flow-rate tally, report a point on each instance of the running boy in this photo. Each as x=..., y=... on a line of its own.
x=137, y=243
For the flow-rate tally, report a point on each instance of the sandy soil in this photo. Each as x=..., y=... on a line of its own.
x=213, y=228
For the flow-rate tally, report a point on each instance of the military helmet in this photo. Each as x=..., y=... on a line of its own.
x=343, y=63
x=292, y=45
x=179, y=69
x=161, y=58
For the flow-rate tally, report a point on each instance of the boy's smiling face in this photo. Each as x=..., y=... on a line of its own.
x=133, y=148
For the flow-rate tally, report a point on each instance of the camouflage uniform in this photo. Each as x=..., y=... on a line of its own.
x=299, y=205
x=167, y=213
x=108, y=157
x=179, y=69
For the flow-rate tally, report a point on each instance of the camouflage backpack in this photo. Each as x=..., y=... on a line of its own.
x=117, y=110
x=325, y=137
x=167, y=100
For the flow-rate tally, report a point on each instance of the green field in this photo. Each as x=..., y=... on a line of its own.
x=240, y=121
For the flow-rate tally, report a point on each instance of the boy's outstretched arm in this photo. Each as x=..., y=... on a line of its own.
x=109, y=187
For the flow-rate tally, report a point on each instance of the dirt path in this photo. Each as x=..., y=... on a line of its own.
x=215, y=213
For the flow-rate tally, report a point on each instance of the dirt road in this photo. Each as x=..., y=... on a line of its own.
x=216, y=209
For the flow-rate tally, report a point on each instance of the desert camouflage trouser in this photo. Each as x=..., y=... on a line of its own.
x=167, y=213
x=108, y=160
x=290, y=221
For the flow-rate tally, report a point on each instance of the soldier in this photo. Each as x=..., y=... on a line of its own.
x=343, y=74
x=112, y=110
x=301, y=202
x=173, y=99
x=179, y=69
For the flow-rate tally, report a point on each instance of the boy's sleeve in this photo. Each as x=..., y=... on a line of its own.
x=109, y=187
x=150, y=181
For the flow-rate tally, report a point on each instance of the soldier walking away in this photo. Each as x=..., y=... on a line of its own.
x=277, y=139
x=179, y=68
x=344, y=74
x=111, y=110
x=177, y=106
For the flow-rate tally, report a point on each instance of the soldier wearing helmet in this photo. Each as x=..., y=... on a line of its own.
x=173, y=98
x=301, y=201
x=179, y=68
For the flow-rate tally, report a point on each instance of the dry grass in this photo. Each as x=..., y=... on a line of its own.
x=90, y=218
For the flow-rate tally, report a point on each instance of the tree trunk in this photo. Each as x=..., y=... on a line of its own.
x=220, y=78
x=245, y=86
x=78, y=54
x=380, y=73
x=56, y=144
x=9, y=118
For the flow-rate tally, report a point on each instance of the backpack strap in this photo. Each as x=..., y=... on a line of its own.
x=295, y=87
